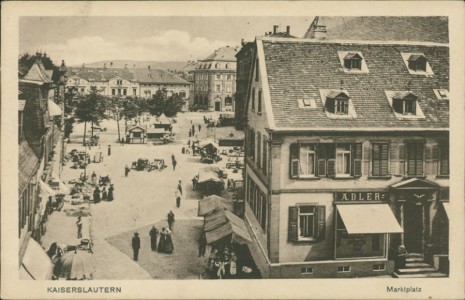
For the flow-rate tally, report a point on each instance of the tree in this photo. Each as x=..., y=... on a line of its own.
x=173, y=105
x=156, y=105
x=91, y=108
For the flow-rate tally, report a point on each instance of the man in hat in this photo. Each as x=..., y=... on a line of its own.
x=136, y=245
x=170, y=220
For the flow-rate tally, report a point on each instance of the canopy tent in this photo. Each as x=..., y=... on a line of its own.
x=211, y=203
x=238, y=235
x=368, y=219
x=208, y=142
x=36, y=264
x=222, y=223
x=53, y=109
x=208, y=176
x=162, y=119
x=77, y=265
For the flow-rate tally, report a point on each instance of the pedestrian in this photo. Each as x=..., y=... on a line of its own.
x=177, y=194
x=194, y=183
x=94, y=178
x=202, y=244
x=161, y=243
x=171, y=220
x=200, y=126
x=79, y=227
x=97, y=195
x=193, y=128
x=153, y=238
x=104, y=194
x=126, y=171
x=183, y=150
x=190, y=133
x=180, y=186
x=233, y=264
x=169, y=248
x=136, y=246
x=110, y=192
x=174, y=165
x=188, y=143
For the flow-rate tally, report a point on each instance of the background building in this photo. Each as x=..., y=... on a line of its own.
x=347, y=156
x=215, y=80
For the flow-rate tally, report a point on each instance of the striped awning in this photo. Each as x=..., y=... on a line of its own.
x=53, y=109
x=368, y=218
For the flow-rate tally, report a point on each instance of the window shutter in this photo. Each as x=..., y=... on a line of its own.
x=292, y=234
x=419, y=158
x=322, y=167
x=356, y=159
x=321, y=222
x=376, y=160
x=331, y=167
x=295, y=168
x=401, y=148
x=294, y=160
x=330, y=105
x=397, y=105
x=384, y=159
x=393, y=155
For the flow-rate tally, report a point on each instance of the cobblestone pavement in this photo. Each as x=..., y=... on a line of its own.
x=143, y=199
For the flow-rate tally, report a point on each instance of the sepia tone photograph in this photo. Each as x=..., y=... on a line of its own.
x=237, y=148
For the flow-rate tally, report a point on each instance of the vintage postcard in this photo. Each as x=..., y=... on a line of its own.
x=221, y=150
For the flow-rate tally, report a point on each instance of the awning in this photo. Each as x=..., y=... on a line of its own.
x=238, y=235
x=206, y=143
x=53, y=109
x=214, y=220
x=211, y=203
x=446, y=206
x=208, y=176
x=36, y=264
x=368, y=218
x=46, y=190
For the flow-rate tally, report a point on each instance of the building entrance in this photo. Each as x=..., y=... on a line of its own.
x=413, y=227
x=217, y=106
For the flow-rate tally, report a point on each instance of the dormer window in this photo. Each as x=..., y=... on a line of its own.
x=353, y=61
x=417, y=62
x=338, y=103
x=441, y=94
x=404, y=103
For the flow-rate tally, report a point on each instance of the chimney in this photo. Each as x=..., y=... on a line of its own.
x=288, y=30
x=275, y=29
x=319, y=32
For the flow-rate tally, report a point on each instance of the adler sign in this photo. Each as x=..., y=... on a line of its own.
x=360, y=196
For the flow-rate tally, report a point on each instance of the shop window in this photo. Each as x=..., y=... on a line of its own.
x=343, y=269
x=306, y=223
x=379, y=267
x=307, y=270
x=415, y=158
x=376, y=242
x=444, y=158
x=259, y=109
x=380, y=159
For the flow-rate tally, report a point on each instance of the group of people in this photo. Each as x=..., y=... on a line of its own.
x=160, y=241
x=192, y=129
x=104, y=195
x=178, y=194
x=223, y=263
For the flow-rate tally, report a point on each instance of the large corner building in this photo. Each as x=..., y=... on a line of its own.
x=347, y=155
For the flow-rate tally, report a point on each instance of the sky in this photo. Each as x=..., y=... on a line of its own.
x=80, y=40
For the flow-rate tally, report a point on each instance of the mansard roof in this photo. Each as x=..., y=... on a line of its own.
x=301, y=68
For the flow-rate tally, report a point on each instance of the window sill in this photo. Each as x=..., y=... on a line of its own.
x=385, y=177
x=442, y=177
x=344, y=177
x=259, y=113
x=307, y=178
x=414, y=176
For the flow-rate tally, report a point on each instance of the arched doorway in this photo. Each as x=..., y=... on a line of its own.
x=217, y=104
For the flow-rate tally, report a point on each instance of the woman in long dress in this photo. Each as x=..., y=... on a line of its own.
x=161, y=242
x=104, y=195
x=169, y=248
x=96, y=195
x=110, y=192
